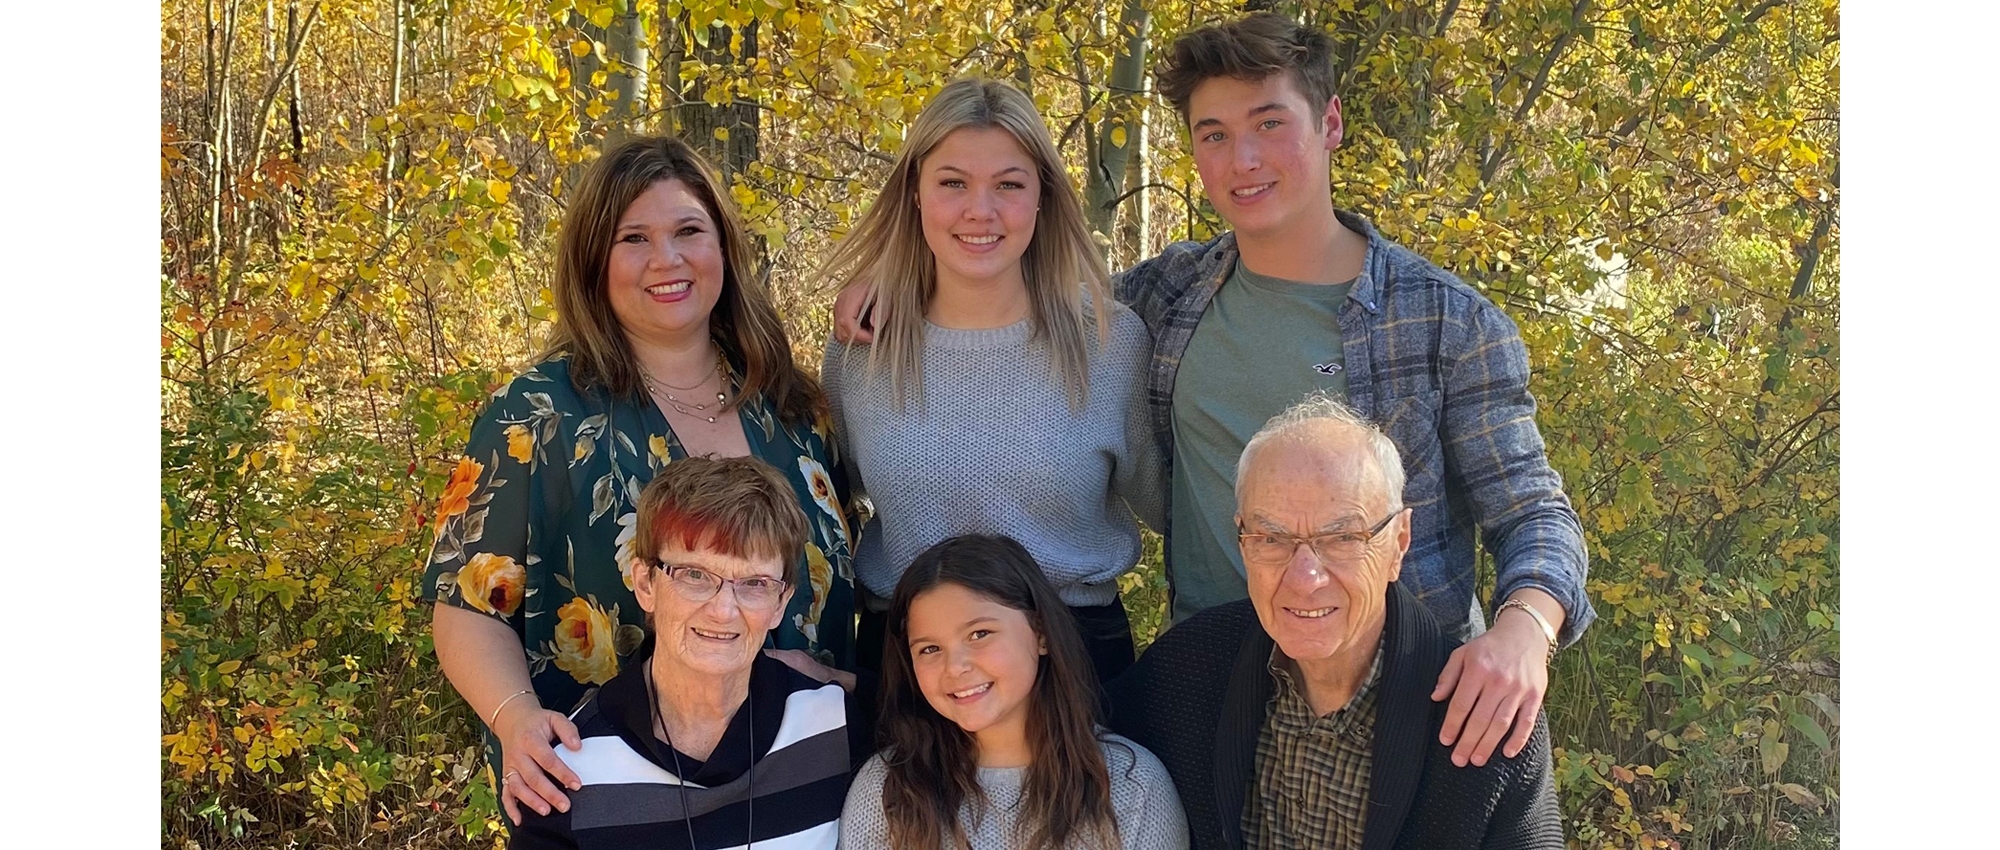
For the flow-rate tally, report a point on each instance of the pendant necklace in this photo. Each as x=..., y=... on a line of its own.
x=680, y=778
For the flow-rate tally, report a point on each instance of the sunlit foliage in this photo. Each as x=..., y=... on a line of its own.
x=359, y=199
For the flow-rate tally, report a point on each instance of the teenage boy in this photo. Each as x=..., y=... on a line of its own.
x=1301, y=298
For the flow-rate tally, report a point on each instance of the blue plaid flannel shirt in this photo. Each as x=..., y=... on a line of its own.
x=1443, y=372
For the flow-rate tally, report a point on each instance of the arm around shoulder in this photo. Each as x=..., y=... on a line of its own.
x=1502, y=465
x=1138, y=477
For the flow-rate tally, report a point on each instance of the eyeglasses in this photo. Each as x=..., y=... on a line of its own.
x=699, y=585
x=1338, y=547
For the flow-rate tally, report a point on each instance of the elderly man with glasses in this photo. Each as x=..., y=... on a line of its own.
x=1301, y=717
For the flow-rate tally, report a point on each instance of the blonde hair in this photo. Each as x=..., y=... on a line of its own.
x=1060, y=264
x=744, y=324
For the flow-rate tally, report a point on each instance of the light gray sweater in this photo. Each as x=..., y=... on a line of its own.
x=1143, y=803
x=992, y=446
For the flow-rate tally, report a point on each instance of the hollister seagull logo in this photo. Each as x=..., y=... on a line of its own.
x=1326, y=368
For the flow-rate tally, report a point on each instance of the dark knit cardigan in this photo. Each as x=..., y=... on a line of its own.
x=1197, y=699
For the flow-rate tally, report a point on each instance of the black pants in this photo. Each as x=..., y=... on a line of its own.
x=1106, y=631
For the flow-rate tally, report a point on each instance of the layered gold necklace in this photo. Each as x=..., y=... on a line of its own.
x=707, y=410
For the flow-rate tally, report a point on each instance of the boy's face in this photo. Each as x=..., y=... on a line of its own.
x=1261, y=148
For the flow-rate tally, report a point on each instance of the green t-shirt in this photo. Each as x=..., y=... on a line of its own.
x=1263, y=345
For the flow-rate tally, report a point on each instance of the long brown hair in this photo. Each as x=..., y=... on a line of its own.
x=1061, y=262
x=932, y=768
x=745, y=325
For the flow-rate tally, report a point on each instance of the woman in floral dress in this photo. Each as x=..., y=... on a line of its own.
x=666, y=345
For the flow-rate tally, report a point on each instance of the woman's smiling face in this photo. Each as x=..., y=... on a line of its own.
x=976, y=660
x=665, y=273
x=978, y=192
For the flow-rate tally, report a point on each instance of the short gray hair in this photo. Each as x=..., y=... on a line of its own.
x=1320, y=407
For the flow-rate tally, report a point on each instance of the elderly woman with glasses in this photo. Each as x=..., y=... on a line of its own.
x=703, y=737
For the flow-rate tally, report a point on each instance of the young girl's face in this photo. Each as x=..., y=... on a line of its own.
x=975, y=659
x=978, y=192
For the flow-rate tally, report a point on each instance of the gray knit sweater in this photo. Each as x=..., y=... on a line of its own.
x=992, y=446
x=1143, y=803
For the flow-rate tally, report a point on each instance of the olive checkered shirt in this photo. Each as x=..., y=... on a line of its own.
x=1312, y=771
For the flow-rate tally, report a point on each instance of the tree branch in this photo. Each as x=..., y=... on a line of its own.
x=1721, y=43
x=1500, y=150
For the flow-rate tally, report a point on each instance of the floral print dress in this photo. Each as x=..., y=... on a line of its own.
x=537, y=524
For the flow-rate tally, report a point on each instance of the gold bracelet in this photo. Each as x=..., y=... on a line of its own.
x=495, y=717
x=1548, y=631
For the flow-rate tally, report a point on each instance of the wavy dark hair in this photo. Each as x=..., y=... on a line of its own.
x=1249, y=48
x=745, y=325
x=932, y=766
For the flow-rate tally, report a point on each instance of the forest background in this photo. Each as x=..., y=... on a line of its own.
x=359, y=199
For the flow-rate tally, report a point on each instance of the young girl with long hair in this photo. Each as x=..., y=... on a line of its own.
x=1002, y=393
x=988, y=721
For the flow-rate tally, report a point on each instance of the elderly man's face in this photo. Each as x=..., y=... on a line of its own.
x=1327, y=483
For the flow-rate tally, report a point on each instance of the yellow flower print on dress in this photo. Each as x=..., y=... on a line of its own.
x=520, y=443
x=585, y=637
x=493, y=583
x=820, y=572
x=659, y=446
x=458, y=491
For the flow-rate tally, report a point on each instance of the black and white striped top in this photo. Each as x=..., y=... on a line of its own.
x=632, y=800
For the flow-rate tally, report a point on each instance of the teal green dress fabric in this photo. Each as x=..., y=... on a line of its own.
x=537, y=523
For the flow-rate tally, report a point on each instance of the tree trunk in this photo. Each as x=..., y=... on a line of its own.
x=1136, y=225
x=296, y=127
x=627, y=82
x=583, y=78
x=260, y=124
x=1024, y=33
x=395, y=101
x=726, y=132
x=1779, y=360
x=668, y=71
x=1116, y=139
x=221, y=50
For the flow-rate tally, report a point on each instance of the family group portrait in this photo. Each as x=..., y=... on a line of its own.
x=1038, y=424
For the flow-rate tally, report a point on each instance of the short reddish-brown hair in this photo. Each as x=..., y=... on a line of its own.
x=1249, y=48
x=735, y=506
